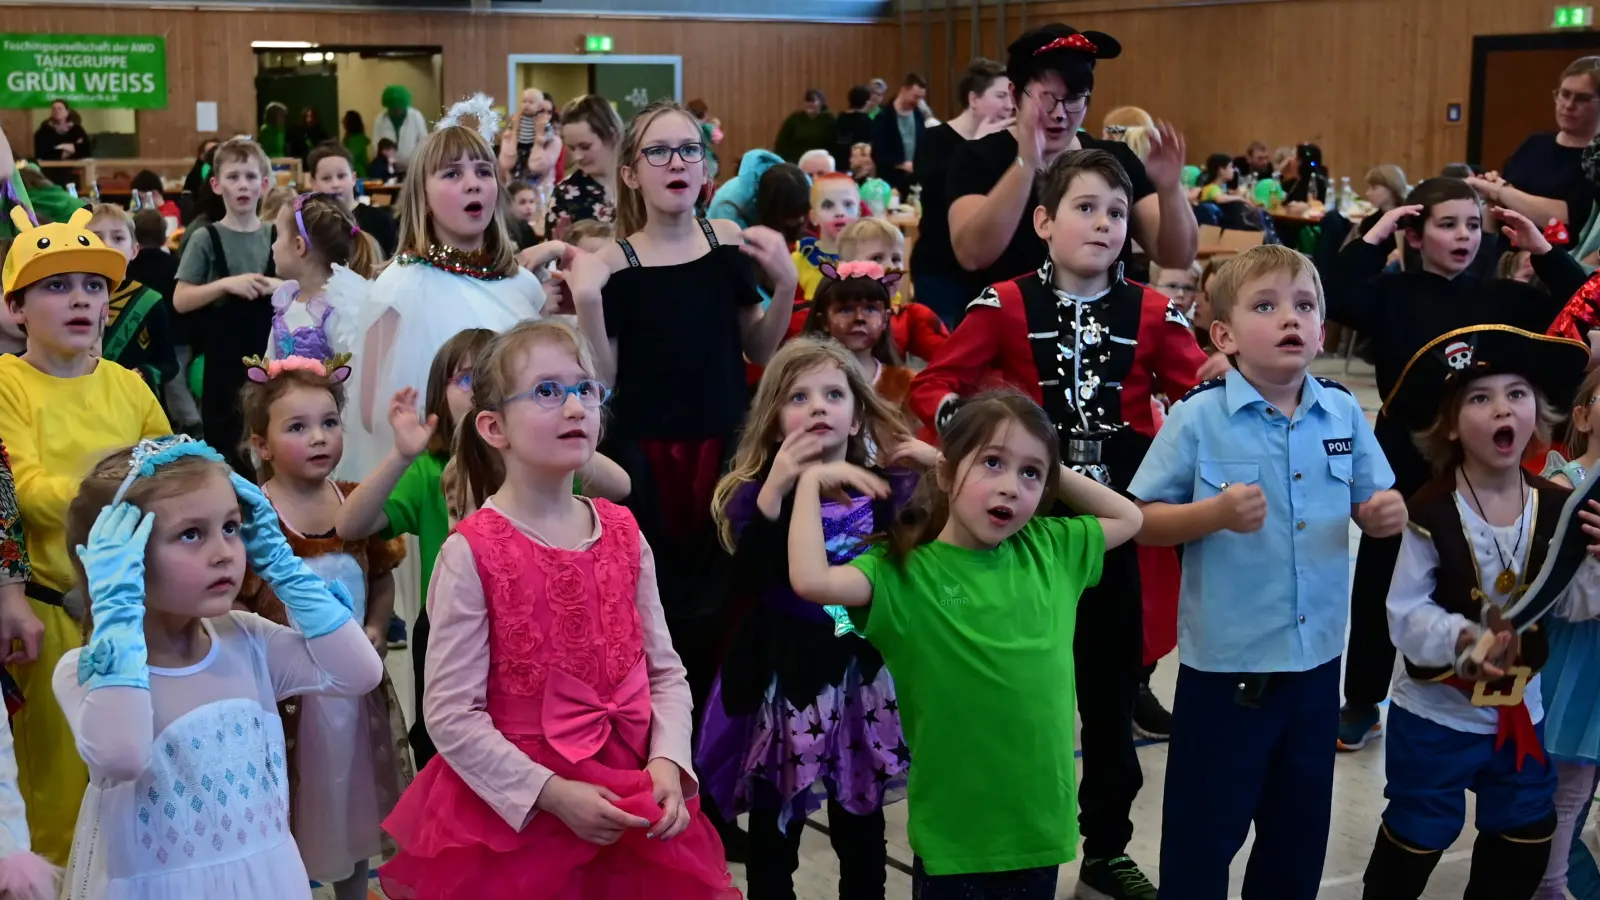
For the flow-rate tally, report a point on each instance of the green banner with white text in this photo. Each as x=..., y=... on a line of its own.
x=89, y=71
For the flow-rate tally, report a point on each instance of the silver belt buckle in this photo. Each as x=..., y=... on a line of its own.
x=1082, y=452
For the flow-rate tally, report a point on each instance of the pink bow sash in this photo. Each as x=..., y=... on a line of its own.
x=577, y=722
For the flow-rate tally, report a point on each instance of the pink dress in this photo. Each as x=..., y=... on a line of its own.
x=569, y=689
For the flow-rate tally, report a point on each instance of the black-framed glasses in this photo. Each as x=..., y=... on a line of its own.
x=1068, y=104
x=1562, y=95
x=554, y=394
x=659, y=156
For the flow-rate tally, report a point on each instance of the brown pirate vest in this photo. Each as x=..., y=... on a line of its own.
x=1434, y=514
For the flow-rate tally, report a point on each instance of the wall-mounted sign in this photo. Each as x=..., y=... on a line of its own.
x=1573, y=17
x=90, y=71
x=597, y=43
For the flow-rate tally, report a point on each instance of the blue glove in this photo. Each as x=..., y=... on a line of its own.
x=316, y=606
x=113, y=566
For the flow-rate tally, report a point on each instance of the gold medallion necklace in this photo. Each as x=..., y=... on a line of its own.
x=1507, y=579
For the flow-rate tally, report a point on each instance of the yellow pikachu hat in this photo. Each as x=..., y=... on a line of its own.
x=56, y=249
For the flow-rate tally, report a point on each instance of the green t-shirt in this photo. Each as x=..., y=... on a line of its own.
x=417, y=506
x=980, y=644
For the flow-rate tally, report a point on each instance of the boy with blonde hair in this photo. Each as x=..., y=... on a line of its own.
x=915, y=328
x=835, y=206
x=137, y=335
x=1258, y=475
x=224, y=282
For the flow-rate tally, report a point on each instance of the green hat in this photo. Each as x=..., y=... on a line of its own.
x=396, y=96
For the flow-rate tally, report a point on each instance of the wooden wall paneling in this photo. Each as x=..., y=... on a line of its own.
x=1366, y=79
x=751, y=74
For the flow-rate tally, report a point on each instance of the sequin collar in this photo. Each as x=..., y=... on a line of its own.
x=471, y=263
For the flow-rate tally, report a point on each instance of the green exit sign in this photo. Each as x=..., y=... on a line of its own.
x=597, y=43
x=1573, y=17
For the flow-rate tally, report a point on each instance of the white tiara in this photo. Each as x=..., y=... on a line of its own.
x=479, y=106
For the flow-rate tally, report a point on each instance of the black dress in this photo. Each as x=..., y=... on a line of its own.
x=679, y=401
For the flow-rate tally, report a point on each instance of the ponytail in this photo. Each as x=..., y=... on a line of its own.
x=365, y=255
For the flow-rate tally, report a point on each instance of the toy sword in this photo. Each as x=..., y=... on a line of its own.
x=1567, y=551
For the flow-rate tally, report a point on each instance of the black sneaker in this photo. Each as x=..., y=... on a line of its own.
x=1150, y=719
x=1113, y=879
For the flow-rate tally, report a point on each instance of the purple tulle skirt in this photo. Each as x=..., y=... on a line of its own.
x=845, y=745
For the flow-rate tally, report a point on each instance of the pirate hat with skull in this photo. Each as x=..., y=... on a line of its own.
x=1552, y=365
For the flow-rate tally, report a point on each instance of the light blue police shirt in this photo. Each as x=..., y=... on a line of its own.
x=1275, y=600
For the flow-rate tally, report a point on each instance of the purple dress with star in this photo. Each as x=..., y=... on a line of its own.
x=800, y=713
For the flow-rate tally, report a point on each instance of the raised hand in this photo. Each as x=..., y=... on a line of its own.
x=1165, y=163
x=411, y=433
x=836, y=479
x=1521, y=230
x=914, y=451
x=1390, y=223
x=798, y=452
x=113, y=568
x=770, y=251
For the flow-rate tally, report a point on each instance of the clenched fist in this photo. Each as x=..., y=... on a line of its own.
x=1384, y=515
x=1242, y=507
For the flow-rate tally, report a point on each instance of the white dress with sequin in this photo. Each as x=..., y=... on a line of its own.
x=201, y=810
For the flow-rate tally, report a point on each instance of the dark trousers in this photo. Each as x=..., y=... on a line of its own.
x=422, y=748
x=1369, y=657
x=1021, y=884
x=1229, y=765
x=1107, y=650
x=858, y=841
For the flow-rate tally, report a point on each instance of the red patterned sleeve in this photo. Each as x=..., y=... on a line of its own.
x=1581, y=314
x=967, y=361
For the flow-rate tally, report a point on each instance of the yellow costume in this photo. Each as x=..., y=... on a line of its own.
x=56, y=429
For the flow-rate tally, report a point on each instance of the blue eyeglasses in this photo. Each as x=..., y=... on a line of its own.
x=554, y=394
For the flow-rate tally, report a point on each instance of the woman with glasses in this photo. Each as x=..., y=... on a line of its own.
x=991, y=181
x=1544, y=179
x=673, y=311
x=591, y=130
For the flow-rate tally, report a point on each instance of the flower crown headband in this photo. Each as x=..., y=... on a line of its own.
x=261, y=371
x=863, y=269
x=151, y=453
x=479, y=106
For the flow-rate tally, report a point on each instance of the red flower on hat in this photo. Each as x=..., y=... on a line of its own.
x=1070, y=42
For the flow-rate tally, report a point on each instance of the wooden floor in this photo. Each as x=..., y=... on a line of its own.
x=1358, y=791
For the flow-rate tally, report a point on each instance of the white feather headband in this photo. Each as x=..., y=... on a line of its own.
x=479, y=106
